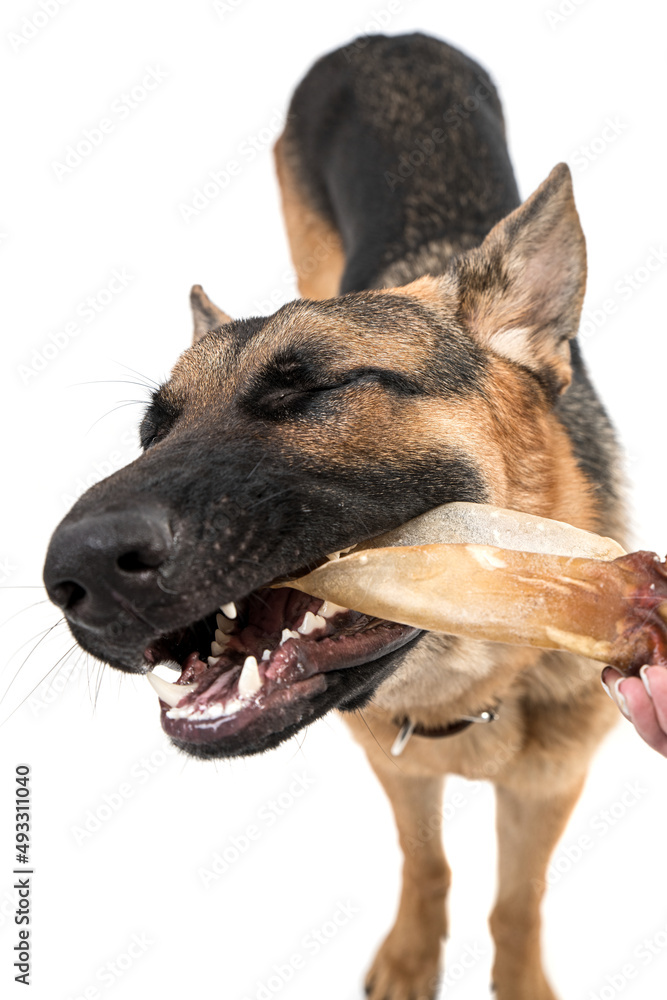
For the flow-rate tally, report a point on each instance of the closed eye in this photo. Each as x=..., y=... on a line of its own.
x=292, y=395
x=281, y=401
x=158, y=420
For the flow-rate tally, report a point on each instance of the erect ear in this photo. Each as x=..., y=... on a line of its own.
x=206, y=316
x=520, y=293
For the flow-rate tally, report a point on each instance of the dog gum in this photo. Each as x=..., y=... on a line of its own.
x=612, y=610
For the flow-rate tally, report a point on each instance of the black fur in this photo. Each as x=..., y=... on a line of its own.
x=359, y=115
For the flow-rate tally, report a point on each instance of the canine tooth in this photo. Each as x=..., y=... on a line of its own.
x=310, y=623
x=228, y=610
x=171, y=694
x=249, y=679
x=224, y=624
x=212, y=660
x=288, y=634
x=216, y=648
x=221, y=638
x=329, y=609
x=266, y=655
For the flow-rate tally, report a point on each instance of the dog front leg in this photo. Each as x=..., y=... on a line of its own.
x=528, y=830
x=407, y=963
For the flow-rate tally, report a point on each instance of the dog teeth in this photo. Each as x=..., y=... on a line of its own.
x=249, y=680
x=288, y=634
x=328, y=609
x=221, y=640
x=212, y=660
x=204, y=713
x=224, y=624
x=310, y=623
x=171, y=694
x=266, y=655
x=228, y=610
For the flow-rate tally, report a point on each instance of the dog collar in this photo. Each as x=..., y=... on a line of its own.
x=409, y=728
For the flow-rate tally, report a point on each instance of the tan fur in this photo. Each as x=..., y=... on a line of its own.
x=553, y=711
x=532, y=312
x=315, y=245
x=205, y=315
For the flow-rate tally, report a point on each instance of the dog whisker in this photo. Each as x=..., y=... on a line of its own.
x=57, y=666
x=21, y=611
x=127, y=402
x=148, y=381
x=42, y=636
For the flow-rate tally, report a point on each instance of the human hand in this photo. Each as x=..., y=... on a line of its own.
x=642, y=700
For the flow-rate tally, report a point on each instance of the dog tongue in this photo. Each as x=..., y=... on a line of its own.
x=550, y=585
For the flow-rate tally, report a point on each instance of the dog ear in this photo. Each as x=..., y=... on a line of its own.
x=206, y=316
x=520, y=293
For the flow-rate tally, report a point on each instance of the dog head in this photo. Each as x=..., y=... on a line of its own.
x=279, y=440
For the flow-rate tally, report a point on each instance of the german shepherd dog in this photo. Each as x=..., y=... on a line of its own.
x=431, y=359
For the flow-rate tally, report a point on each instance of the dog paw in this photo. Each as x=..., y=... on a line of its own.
x=402, y=972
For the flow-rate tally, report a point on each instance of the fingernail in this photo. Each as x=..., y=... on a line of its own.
x=620, y=698
x=604, y=684
x=644, y=676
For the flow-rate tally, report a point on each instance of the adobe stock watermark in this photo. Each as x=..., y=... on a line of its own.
x=220, y=179
x=426, y=146
x=121, y=108
x=238, y=845
x=378, y=21
x=7, y=569
x=593, y=318
x=85, y=312
x=128, y=448
x=566, y=8
x=115, y=969
x=310, y=946
x=583, y=156
x=140, y=773
x=452, y=807
x=323, y=249
x=644, y=954
x=32, y=24
x=49, y=690
x=456, y=971
x=432, y=827
x=223, y=7
x=599, y=826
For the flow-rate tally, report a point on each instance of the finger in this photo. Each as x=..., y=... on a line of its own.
x=633, y=700
x=611, y=679
x=655, y=682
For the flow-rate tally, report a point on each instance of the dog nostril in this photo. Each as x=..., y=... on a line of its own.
x=137, y=562
x=68, y=594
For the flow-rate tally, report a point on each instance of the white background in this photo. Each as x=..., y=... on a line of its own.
x=229, y=74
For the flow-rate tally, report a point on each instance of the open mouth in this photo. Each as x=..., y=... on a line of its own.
x=254, y=670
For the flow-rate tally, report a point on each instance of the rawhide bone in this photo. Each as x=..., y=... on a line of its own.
x=487, y=573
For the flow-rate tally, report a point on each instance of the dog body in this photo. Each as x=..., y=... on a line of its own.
x=431, y=360
x=395, y=160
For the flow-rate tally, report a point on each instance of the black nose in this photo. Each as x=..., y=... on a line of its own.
x=101, y=561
